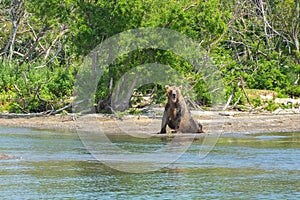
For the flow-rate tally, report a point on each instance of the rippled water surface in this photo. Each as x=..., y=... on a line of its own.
x=56, y=165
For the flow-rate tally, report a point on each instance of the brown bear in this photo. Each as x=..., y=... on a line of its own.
x=176, y=115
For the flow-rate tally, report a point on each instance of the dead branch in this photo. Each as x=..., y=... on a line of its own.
x=33, y=46
x=17, y=11
x=25, y=78
x=63, y=32
x=237, y=101
x=67, y=107
x=242, y=83
x=19, y=91
x=35, y=36
x=190, y=6
x=230, y=98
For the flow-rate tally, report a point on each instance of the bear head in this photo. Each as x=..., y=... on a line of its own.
x=173, y=93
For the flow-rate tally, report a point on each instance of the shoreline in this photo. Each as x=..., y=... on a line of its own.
x=220, y=122
x=214, y=123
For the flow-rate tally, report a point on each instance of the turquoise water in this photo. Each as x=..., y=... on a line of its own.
x=56, y=165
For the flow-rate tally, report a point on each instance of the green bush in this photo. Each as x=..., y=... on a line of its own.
x=31, y=89
x=271, y=106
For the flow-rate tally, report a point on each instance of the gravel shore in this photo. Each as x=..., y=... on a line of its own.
x=225, y=122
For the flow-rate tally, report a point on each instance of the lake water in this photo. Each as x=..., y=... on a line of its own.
x=56, y=165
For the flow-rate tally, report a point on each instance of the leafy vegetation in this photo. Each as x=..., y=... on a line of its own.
x=44, y=42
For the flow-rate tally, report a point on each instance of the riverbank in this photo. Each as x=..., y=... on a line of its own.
x=224, y=122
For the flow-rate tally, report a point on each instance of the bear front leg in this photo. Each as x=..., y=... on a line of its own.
x=178, y=117
x=199, y=128
x=164, y=122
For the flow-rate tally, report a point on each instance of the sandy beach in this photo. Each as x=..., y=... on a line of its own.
x=221, y=122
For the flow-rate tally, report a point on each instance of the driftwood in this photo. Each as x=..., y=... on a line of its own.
x=15, y=115
x=7, y=157
x=54, y=112
x=47, y=113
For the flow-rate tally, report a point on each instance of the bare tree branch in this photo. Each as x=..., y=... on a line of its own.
x=16, y=13
x=63, y=32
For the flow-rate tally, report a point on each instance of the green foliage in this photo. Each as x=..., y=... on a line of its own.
x=271, y=106
x=54, y=36
x=256, y=102
x=131, y=111
x=35, y=90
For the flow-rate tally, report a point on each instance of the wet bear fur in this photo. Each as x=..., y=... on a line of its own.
x=176, y=114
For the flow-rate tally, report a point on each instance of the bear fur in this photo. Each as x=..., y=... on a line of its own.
x=176, y=115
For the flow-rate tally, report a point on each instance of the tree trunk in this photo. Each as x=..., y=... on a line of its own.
x=295, y=32
x=17, y=12
x=121, y=97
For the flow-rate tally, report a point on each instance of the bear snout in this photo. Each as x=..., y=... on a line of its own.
x=174, y=95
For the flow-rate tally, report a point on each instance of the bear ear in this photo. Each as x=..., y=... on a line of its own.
x=180, y=87
x=167, y=87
